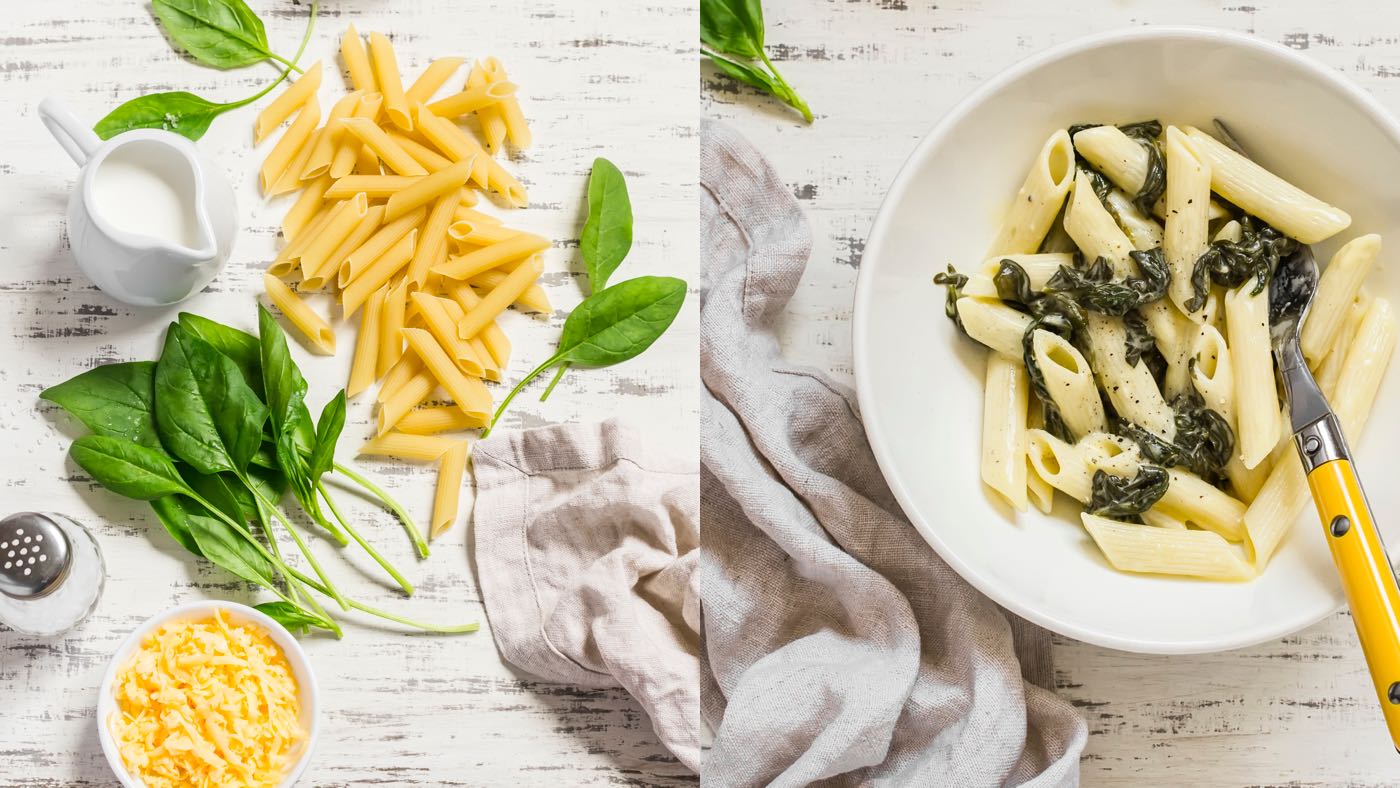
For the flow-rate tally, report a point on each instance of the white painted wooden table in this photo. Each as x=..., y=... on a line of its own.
x=613, y=79
x=878, y=74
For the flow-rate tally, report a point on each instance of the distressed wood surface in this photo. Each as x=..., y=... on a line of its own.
x=615, y=79
x=878, y=74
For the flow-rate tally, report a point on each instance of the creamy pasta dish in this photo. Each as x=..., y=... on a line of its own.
x=1125, y=306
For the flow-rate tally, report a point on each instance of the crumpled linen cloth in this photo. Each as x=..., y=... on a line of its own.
x=838, y=647
x=586, y=538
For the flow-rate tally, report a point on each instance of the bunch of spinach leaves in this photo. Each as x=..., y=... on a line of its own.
x=212, y=434
x=616, y=322
x=731, y=35
x=220, y=33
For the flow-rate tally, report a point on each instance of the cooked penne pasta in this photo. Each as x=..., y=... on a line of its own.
x=1212, y=374
x=451, y=467
x=311, y=326
x=1070, y=382
x=1251, y=352
x=1038, y=267
x=1125, y=162
x=1130, y=387
x=1186, y=235
x=1004, y=429
x=1039, y=199
x=295, y=97
x=1140, y=548
x=1336, y=290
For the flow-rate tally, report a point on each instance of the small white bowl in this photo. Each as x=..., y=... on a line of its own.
x=307, y=697
x=920, y=382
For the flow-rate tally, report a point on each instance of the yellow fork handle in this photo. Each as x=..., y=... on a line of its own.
x=1367, y=578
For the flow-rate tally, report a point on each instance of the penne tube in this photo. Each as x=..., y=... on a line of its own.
x=1130, y=547
x=432, y=245
x=323, y=153
x=1212, y=374
x=297, y=95
x=317, y=332
x=388, y=151
x=335, y=261
x=1124, y=161
x=1038, y=267
x=1131, y=389
x=342, y=222
x=352, y=51
x=1070, y=382
x=1037, y=202
x=1330, y=370
x=375, y=187
x=378, y=273
x=306, y=207
x=495, y=340
x=496, y=301
x=1257, y=191
x=472, y=99
x=429, y=159
x=493, y=256
x=493, y=126
x=533, y=299
x=466, y=232
x=440, y=324
x=469, y=393
x=1193, y=500
x=289, y=145
x=432, y=78
x=1004, y=429
x=457, y=144
x=403, y=371
x=348, y=147
x=412, y=448
x=1336, y=290
x=366, y=346
x=1251, y=352
x=442, y=418
x=403, y=400
x=391, y=328
x=383, y=239
x=1187, y=235
x=444, y=183
x=386, y=76
x=290, y=179
x=467, y=214
x=452, y=465
x=286, y=261
x=516, y=129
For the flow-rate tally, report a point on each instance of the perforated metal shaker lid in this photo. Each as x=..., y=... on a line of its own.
x=34, y=555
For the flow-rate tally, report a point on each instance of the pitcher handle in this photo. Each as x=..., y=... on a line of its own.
x=77, y=139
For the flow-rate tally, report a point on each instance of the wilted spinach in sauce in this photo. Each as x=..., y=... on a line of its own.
x=955, y=282
x=1122, y=498
x=1154, y=184
x=1096, y=289
x=1232, y=263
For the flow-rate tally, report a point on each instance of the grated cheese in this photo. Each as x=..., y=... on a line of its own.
x=207, y=702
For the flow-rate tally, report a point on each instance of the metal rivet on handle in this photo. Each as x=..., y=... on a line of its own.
x=1340, y=525
x=1394, y=693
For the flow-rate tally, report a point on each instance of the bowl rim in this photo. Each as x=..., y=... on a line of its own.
x=296, y=657
x=861, y=308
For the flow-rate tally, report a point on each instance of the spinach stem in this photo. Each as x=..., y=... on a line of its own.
x=305, y=550
x=379, y=559
x=558, y=375
x=453, y=629
x=791, y=96
x=534, y=373
x=292, y=66
x=414, y=534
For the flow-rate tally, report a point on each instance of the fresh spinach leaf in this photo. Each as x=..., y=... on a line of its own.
x=127, y=468
x=240, y=346
x=170, y=510
x=226, y=547
x=328, y=429
x=1120, y=497
x=218, y=33
x=225, y=492
x=113, y=399
x=294, y=619
x=769, y=81
x=733, y=27
x=1232, y=263
x=283, y=384
x=607, y=234
x=205, y=412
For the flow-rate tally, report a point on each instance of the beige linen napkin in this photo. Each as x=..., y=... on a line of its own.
x=585, y=543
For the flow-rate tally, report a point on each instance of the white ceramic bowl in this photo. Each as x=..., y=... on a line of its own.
x=307, y=697
x=920, y=382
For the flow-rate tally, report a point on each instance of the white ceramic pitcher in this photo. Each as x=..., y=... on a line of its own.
x=150, y=222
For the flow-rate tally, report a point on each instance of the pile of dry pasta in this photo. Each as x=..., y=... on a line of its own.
x=386, y=222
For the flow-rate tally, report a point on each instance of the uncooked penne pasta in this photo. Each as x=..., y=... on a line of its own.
x=372, y=249
x=444, y=330
x=472, y=99
x=386, y=76
x=442, y=418
x=352, y=51
x=411, y=448
x=344, y=218
x=335, y=261
x=516, y=129
x=362, y=367
x=492, y=336
x=323, y=152
x=378, y=273
x=432, y=244
x=445, y=182
x=452, y=466
x=288, y=101
x=457, y=144
x=534, y=299
x=469, y=393
x=388, y=151
x=305, y=208
x=493, y=126
x=486, y=234
x=348, y=146
x=391, y=327
x=432, y=78
x=429, y=159
x=290, y=143
x=488, y=257
x=375, y=187
x=310, y=324
x=496, y=301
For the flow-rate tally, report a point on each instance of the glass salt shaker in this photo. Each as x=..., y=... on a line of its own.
x=51, y=573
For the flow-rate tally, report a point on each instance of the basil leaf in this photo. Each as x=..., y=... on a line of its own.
x=127, y=468
x=170, y=510
x=283, y=384
x=622, y=321
x=607, y=234
x=218, y=33
x=205, y=413
x=180, y=112
x=238, y=345
x=328, y=429
x=113, y=399
x=733, y=27
x=295, y=619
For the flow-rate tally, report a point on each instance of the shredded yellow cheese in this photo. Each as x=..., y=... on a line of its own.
x=207, y=702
